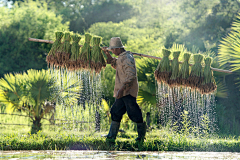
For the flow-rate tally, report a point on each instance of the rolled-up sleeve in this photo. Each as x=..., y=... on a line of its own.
x=114, y=63
x=130, y=70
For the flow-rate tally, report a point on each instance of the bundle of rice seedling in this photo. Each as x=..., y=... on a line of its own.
x=51, y=57
x=75, y=49
x=196, y=75
x=66, y=49
x=174, y=79
x=184, y=71
x=85, y=55
x=163, y=71
x=97, y=59
x=209, y=84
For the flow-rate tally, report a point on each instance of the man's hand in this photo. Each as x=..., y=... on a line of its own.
x=109, y=60
x=120, y=93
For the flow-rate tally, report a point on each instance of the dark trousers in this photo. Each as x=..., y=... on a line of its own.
x=126, y=104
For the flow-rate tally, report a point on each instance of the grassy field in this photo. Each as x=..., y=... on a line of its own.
x=157, y=140
x=70, y=134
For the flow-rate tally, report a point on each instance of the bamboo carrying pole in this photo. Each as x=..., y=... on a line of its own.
x=137, y=54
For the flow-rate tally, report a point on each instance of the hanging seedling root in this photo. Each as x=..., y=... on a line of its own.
x=184, y=71
x=163, y=71
x=196, y=76
x=174, y=79
x=85, y=55
x=209, y=85
x=51, y=57
x=75, y=48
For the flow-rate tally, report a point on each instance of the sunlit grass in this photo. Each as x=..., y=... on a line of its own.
x=83, y=136
x=156, y=140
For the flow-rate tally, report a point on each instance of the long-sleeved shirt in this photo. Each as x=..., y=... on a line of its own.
x=126, y=74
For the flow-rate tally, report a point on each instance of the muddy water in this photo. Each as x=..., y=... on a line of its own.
x=118, y=155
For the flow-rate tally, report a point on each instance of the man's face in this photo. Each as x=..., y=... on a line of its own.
x=116, y=51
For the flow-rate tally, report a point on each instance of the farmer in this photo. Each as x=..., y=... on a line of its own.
x=125, y=90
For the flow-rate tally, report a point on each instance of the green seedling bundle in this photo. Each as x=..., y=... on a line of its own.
x=174, y=80
x=175, y=75
x=209, y=84
x=196, y=76
x=67, y=53
x=184, y=71
x=163, y=71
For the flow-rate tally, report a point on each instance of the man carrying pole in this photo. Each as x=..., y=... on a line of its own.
x=125, y=90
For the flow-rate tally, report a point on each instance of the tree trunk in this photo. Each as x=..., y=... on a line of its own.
x=36, y=126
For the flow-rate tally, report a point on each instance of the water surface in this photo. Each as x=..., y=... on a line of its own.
x=118, y=155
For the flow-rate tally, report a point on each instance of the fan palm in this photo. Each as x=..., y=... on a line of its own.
x=31, y=91
x=229, y=49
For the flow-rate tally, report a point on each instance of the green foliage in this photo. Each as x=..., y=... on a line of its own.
x=24, y=20
x=146, y=80
x=205, y=26
x=30, y=92
x=108, y=82
x=205, y=125
x=135, y=39
x=186, y=124
x=229, y=48
x=82, y=14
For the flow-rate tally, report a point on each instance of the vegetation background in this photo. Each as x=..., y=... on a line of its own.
x=144, y=27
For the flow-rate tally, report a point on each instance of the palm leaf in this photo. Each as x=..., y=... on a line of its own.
x=68, y=87
x=11, y=91
x=229, y=49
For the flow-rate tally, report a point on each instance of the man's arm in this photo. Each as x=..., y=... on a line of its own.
x=110, y=60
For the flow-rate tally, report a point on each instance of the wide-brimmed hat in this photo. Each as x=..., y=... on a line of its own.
x=115, y=42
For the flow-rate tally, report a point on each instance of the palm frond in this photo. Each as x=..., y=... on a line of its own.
x=229, y=49
x=178, y=47
x=11, y=91
x=221, y=89
x=68, y=87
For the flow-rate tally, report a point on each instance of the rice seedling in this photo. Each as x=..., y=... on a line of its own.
x=97, y=59
x=196, y=75
x=163, y=71
x=85, y=54
x=72, y=64
x=209, y=85
x=184, y=71
x=53, y=53
x=174, y=79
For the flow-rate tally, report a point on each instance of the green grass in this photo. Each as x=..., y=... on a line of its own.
x=83, y=136
x=157, y=140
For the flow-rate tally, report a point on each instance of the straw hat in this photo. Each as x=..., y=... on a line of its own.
x=115, y=42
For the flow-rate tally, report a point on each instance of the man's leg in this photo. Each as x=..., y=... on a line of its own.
x=117, y=111
x=135, y=114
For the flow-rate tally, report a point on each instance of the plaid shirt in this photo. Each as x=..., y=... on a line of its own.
x=126, y=74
